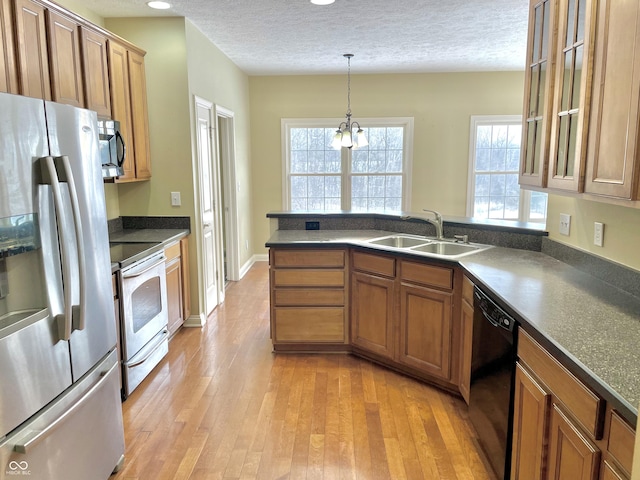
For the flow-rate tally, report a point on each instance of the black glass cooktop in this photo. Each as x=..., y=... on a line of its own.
x=127, y=253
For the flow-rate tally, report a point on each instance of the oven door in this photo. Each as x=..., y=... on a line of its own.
x=144, y=303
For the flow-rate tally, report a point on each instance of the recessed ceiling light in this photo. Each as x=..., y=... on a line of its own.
x=159, y=5
x=322, y=2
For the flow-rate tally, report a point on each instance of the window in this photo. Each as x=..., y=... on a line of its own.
x=371, y=178
x=494, y=159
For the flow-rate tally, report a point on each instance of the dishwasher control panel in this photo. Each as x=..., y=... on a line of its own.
x=492, y=312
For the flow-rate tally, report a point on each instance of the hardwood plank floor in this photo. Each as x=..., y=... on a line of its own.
x=222, y=405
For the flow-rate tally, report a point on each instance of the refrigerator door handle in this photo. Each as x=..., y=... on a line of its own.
x=50, y=177
x=31, y=439
x=63, y=167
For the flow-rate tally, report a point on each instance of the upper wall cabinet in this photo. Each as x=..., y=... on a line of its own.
x=584, y=56
x=64, y=59
x=538, y=93
x=33, y=60
x=96, y=73
x=612, y=150
x=8, y=67
x=129, y=107
x=569, y=121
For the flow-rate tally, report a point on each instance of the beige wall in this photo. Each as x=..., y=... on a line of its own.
x=213, y=77
x=441, y=105
x=78, y=7
x=621, y=231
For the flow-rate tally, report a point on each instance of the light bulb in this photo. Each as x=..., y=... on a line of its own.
x=362, y=138
x=337, y=140
x=346, y=139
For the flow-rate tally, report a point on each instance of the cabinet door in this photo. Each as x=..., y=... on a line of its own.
x=33, y=62
x=174, y=295
x=425, y=330
x=572, y=92
x=467, y=348
x=372, y=313
x=64, y=60
x=186, y=285
x=538, y=93
x=530, y=418
x=139, y=115
x=96, y=74
x=609, y=472
x=121, y=103
x=571, y=454
x=612, y=154
x=8, y=68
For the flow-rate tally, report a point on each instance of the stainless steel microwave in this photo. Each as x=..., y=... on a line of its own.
x=112, y=148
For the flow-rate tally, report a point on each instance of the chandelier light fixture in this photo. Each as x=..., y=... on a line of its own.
x=349, y=134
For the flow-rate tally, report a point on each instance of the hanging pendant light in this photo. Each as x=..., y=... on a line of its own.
x=349, y=134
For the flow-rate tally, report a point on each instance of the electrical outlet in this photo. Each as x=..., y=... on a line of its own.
x=565, y=224
x=175, y=199
x=598, y=234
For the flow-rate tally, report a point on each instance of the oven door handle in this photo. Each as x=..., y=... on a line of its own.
x=145, y=270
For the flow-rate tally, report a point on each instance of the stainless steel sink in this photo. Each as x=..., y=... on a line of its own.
x=399, y=241
x=448, y=249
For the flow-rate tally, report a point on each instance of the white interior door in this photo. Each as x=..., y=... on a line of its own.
x=206, y=153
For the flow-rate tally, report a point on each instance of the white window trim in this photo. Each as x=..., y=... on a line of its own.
x=525, y=195
x=407, y=162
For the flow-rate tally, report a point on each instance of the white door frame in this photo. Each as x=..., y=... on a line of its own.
x=199, y=227
x=227, y=151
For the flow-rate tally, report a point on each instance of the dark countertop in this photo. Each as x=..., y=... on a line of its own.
x=127, y=245
x=592, y=327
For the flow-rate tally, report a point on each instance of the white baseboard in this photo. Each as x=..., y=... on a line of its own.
x=255, y=258
x=195, y=321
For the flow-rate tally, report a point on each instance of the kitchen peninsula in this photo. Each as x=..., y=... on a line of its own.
x=588, y=326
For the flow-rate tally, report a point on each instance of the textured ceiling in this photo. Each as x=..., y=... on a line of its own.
x=275, y=37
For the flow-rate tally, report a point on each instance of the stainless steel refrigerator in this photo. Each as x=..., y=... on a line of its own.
x=60, y=408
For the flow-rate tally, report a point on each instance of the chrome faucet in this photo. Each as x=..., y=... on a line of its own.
x=436, y=221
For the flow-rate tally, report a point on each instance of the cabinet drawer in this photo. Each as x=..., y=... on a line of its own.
x=431, y=275
x=467, y=290
x=376, y=264
x=316, y=325
x=309, y=297
x=308, y=258
x=308, y=278
x=172, y=251
x=585, y=405
x=621, y=441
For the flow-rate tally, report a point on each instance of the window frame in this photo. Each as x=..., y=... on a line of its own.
x=346, y=173
x=524, y=206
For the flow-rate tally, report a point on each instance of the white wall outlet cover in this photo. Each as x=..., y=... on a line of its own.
x=565, y=224
x=175, y=199
x=598, y=234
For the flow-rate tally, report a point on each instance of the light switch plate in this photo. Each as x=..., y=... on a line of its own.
x=175, y=199
x=565, y=224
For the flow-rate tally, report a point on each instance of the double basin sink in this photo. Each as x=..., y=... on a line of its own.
x=435, y=247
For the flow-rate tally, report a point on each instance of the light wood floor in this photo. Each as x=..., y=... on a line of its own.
x=222, y=405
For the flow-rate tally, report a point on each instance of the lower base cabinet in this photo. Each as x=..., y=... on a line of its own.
x=177, y=271
x=561, y=429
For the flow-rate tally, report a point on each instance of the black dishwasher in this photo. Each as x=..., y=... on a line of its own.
x=492, y=373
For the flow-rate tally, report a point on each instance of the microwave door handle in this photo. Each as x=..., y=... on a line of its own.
x=78, y=311
x=124, y=148
x=50, y=177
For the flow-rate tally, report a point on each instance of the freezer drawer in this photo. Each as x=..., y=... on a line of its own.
x=79, y=436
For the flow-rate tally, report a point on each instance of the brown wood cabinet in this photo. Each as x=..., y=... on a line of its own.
x=65, y=59
x=33, y=59
x=96, y=73
x=560, y=429
x=8, y=67
x=309, y=292
x=129, y=107
x=613, y=163
x=373, y=303
x=466, y=342
x=177, y=271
